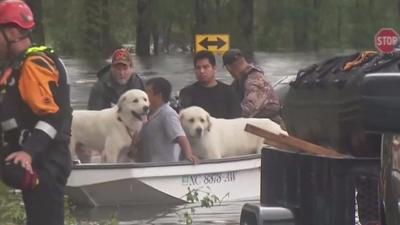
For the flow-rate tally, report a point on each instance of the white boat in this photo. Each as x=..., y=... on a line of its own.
x=163, y=183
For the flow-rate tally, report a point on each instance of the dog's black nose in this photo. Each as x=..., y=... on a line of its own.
x=199, y=130
x=145, y=108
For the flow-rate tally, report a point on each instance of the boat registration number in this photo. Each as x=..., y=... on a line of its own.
x=209, y=178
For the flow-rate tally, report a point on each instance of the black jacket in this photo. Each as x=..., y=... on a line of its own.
x=41, y=132
x=106, y=92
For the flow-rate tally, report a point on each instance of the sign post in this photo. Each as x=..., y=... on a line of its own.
x=386, y=39
x=216, y=43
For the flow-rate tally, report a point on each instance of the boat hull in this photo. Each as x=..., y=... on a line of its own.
x=148, y=183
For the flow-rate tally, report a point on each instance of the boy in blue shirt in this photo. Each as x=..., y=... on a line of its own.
x=162, y=138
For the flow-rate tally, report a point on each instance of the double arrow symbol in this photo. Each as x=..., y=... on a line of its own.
x=205, y=43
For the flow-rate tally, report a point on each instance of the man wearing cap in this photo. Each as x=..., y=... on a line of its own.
x=114, y=81
x=217, y=98
x=255, y=92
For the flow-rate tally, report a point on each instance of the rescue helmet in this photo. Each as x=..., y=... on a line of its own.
x=15, y=176
x=16, y=12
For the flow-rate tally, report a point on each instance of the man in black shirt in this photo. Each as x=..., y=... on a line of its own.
x=217, y=98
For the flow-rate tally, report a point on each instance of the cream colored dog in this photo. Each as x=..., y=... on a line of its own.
x=213, y=138
x=109, y=131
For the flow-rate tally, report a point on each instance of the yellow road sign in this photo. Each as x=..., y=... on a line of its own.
x=212, y=42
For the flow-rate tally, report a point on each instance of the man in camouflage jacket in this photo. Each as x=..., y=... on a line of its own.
x=258, y=98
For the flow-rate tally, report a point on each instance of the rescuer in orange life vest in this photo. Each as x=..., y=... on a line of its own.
x=35, y=116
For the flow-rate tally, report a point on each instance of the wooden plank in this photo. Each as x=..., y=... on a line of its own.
x=291, y=143
x=277, y=144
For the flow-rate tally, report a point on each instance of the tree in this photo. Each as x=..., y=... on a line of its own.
x=301, y=25
x=98, y=39
x=200, y=12
x=246, y=21
x=143, y=28
x=172, y=23
x=38, y=32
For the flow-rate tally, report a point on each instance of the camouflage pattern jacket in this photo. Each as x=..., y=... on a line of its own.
x=257, y=95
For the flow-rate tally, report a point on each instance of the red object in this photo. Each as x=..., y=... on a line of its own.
x=386, y=39
x=16, y=12
x=29, y=181
x=121, y=55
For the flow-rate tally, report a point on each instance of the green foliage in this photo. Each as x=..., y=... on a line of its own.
x=11, y=207
x=82, y=28
x=123, y=20
x=208, y=200
x=69, y=208
x=61, y=19
x=279, y=25
x=321, y=24
x=113, y=220
x=12, y=210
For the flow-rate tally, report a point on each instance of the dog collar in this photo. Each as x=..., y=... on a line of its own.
x=133, y=136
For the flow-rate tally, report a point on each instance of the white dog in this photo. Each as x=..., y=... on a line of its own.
x=110, y=131
x=213, y=138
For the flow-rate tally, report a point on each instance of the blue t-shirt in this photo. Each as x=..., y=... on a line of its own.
x=159, y=136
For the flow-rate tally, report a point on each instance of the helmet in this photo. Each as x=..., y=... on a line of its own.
x=16, y=12
x=13, y=175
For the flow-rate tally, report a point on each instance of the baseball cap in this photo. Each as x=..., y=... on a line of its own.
x=231, y=55
x=121, y=55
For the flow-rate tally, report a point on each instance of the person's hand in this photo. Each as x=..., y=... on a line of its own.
x=21, y=157
x=192, y=158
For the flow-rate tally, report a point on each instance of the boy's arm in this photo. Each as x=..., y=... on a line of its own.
x=187, y=149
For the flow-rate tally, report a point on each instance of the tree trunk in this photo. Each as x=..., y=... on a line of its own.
x=398, y=8
x=246, y=24
x=200, y=13
x=339, y=24
x=92, y=31
x=143, y=28
x=38, y=32
x=316, y=40
x=167, y=36
x=218, y=11
x=155, y=35
x=108, y=41
x=301, y=28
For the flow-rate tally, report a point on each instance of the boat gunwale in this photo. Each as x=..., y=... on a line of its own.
x=161, y=164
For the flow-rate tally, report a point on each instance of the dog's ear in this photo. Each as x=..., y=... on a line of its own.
x=119, y=104
x=208, y=122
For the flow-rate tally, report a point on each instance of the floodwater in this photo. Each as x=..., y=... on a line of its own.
x=178, y=69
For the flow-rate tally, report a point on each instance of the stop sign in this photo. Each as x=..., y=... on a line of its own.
x=386, y=39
